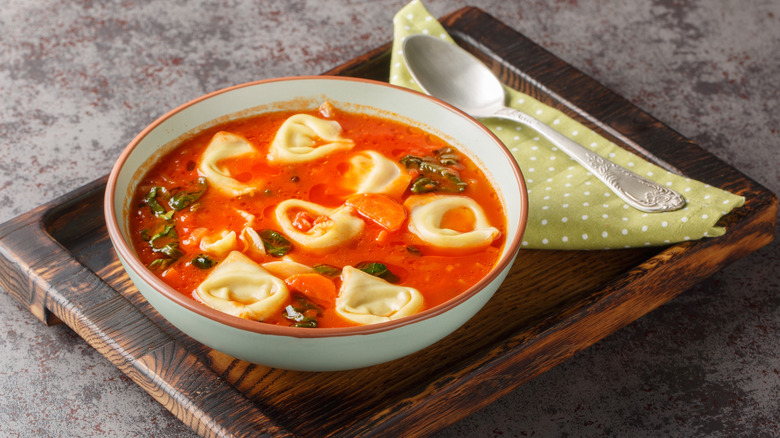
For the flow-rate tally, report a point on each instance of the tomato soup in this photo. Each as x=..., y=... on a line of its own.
x=321, y=218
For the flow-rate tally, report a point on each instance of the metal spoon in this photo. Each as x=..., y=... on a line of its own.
x=453, y=75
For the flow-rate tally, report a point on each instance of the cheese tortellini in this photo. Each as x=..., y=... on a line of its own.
x=339, y=227
x=372, y=172
x=303, y=137
x=425, y=217
x=240, y=287
x=218, y=244
x=366, y=299
x=222, y=146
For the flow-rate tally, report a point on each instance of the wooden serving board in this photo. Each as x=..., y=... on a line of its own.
x=58, y=261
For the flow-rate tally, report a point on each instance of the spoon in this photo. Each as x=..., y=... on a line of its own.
x=448, y=72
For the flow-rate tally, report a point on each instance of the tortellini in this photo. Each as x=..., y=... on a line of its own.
x=240, y=287
x=366, y=299
x=372, y=172
x=425, y=218
x=339, y=227
x=218, y=244
x=303, y=137
x=222, y=146
x=253, y=244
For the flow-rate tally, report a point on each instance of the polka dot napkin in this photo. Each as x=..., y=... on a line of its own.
x=568, y=207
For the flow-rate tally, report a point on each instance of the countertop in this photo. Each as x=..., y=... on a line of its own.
x=79, y=79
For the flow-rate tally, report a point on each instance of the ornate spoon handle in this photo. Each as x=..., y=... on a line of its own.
x=638, y=192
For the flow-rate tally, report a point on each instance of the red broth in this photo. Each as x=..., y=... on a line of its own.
x=438, y=274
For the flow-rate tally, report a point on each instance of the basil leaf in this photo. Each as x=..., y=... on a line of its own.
x=434, y=173
x=151, y=201
x=298, y=312
x=169, y=231
x=203, y=261
x=161, y=264
x=414, y=250
x=447, y=156
x=184, y=199
x=166, y=242
x=275, y=243
x=424, y=185
x=378, y=270
x=455, y=183
x=171, y=250
x=327, y=270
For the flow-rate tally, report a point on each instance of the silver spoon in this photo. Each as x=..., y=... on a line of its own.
x=453, y=75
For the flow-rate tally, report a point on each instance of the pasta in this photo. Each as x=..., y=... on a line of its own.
x=303, y=137
x=225, y=145
x=338, y=227
x=372, y=172
x=240, y=287
x=366, y=299
x=427, y=213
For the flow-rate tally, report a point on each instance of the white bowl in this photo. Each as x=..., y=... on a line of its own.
x=327, y=349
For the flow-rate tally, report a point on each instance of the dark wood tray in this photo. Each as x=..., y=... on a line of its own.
x=57, y=260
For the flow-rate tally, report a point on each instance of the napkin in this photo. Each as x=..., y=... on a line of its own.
x=569, y=208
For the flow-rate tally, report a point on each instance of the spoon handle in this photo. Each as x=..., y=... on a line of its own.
x=638, y=192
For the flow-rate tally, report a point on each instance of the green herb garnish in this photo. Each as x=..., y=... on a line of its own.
x=414, y=250
x=183, y=199
x=275, y=243
x=203, y=261
x=161, y=264
x=378, y=270
x=157, y=208
x=436, y=173
x=327, y=270
x=302, y=312
x=165, y=241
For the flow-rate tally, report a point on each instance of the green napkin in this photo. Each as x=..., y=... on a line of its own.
x=569, y=208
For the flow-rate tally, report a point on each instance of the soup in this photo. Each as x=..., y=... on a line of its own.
x=321, y=218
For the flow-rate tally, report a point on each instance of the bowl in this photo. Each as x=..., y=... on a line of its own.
x=334, y=348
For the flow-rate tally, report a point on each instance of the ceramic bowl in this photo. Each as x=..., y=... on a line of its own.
x=333, y=348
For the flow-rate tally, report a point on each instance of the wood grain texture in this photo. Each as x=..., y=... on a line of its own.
x=57, y=261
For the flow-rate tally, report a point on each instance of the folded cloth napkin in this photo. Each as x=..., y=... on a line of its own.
x=569, y=208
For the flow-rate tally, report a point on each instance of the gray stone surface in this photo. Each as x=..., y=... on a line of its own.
x=78, y=79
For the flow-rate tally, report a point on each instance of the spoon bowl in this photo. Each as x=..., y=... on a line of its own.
x=448, y=72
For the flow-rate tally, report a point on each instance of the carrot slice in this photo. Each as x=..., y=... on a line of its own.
x=380, y=209
x=314, y=286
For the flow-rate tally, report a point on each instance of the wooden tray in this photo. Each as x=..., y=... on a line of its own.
x=57, y=260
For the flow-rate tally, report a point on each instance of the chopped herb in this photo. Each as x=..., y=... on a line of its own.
x=161, y=264
x=424, y=185
x=183, y=198
x=203, y=261
x=327, y=270
x=171, y=250
x=151, y=201
x=169, y=231
x=414, y=250
x=447, y=156
x=145, y=235
x=302, y=312
x=275, y=243
x=378, y=270
x=435, y=173
x=166, y=242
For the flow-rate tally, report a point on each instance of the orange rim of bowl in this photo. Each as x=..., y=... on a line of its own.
x=129, y=256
